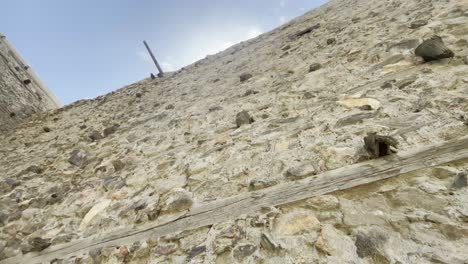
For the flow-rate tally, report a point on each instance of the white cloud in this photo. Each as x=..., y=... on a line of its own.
x=203, y=43
x=283, y=19
x=167, y=66
x=210, y=43
x=227, y=44
x=253, y=32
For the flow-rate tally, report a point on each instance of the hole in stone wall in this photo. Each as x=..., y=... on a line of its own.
x=12, y=115
x=384, y=149
x=27, y=81
x=379, y=146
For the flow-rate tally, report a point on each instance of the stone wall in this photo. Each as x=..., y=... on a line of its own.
x=149, y=151
x=21, y=92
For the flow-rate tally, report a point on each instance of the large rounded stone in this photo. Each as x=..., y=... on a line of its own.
x=433, y=49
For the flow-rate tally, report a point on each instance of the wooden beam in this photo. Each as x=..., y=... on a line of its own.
x=251, y=202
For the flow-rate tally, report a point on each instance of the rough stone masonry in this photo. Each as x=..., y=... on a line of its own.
x=22, y=93
x=153, y=150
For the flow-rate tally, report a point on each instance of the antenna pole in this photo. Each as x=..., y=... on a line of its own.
x=161, y=73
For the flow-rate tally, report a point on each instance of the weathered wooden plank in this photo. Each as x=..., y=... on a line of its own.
x=232, y=207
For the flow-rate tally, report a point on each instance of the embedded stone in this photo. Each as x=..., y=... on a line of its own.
x=245, y=76
x=432, y=187
x=95, y=254
x=8, y=185
x=315, y=67
x=308, y=95
x=54, y=195
x=268, y=242
x=433, y=49
x=370, y=244
x=227, y=238
x=258, y=184
x=360, y=102
x=241, y=252
x=169, y=107
x=418, y=24
x=465, y=60
x=39, y=244
x=118, y=165
x=95, y=135
x=95, y=210
x=303, y=32
x=296, y=222
x=334, y=243
x=379, y=146
x=331, y=41
x=444, y=172
x=13, y=216
x=250, y=92
x=35, y=169
x=285, y=48
x=140, y=250
x=165, y=249
x=323, y=202
x=406, y=82
x=196, y=251
x=300, y=172
x=461, y=181
x=123, y=252
x=387, y=84
x=356, y=214
x=78, y=157
x=215, y=108
x=366, y=108
x=178, y=200
x=110, y=130
x=113, y=183
x=243, y=118
x=61, y=239
x=3, y=218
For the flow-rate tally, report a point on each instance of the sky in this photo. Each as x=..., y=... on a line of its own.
x=85, y=48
